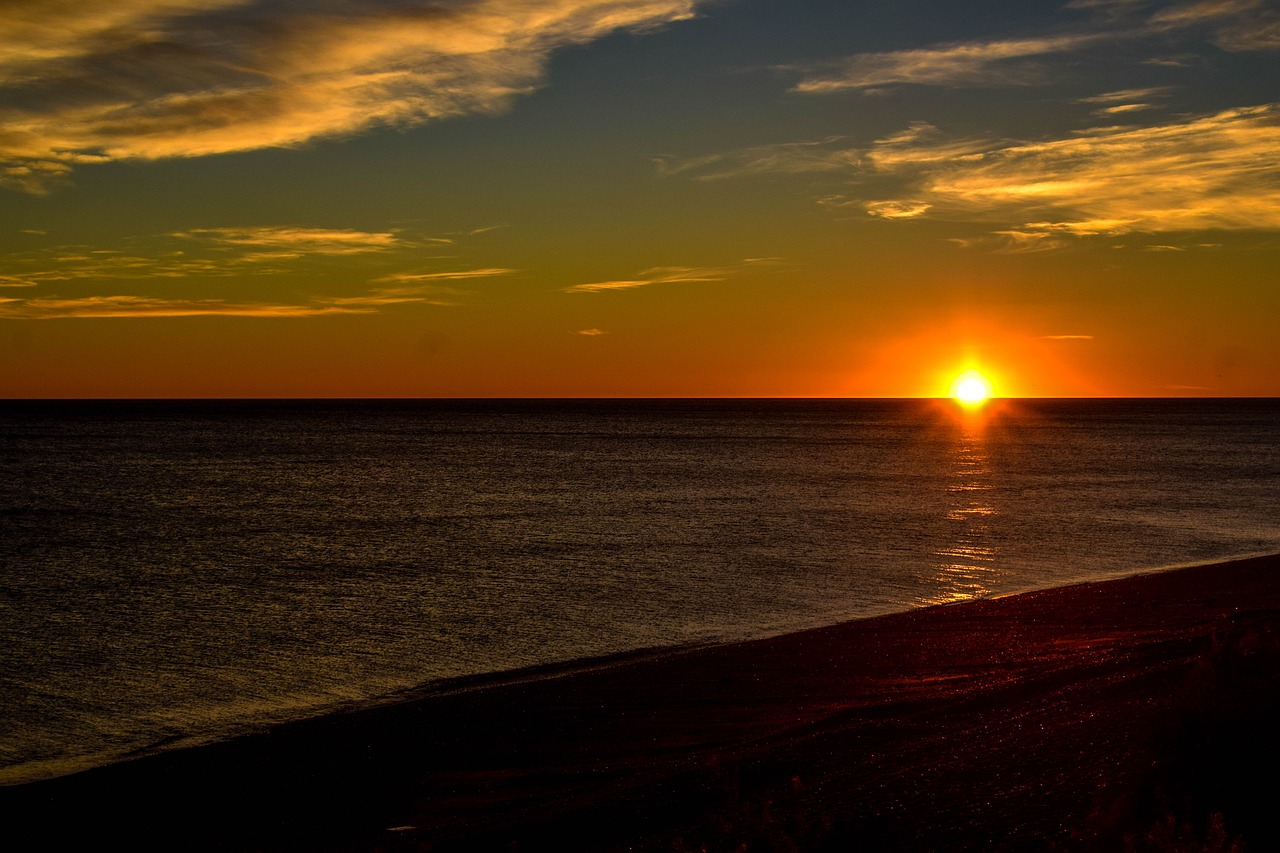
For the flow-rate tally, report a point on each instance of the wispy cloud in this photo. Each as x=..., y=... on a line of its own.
x=657, y=275
x=1125, y=100
x=147, y=79
x=832, y=154
x=380, y=297
x=1196, y=11
x=1185, y=60
x=1216, y=171
x=1067, y=337
x=670, y=275
x=1219, y=171
x=200, y=252
x=1120, y=109
x=983, y=63
x=1235, y=25
x=591, y=333
x=1123, y=96
x=1014, y=241
x=242, y=252
x=121, y=305
x=289, y=241
x=1108, y=5
x=906, y=209
x=67, y=263
x=405, y=277
x=48, y=308
x=1262, y=33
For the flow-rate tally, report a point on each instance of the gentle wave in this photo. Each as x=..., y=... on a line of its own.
x=179, y=572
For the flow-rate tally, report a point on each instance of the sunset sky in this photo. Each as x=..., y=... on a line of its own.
x=477, y=198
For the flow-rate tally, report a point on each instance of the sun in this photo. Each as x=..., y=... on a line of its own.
x=971, y=388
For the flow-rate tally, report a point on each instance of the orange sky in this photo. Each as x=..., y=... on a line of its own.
x=638, y=198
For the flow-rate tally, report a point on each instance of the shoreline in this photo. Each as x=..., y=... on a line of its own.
x=451, y=685
x=1002, y=723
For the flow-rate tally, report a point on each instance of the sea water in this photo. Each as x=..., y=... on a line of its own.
x=181, y=572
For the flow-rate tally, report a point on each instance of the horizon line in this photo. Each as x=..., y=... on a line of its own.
x=584, y=398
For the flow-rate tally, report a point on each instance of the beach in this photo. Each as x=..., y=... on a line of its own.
x=1126, y=712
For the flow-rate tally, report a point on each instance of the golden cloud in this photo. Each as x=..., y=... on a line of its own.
x=1218, y=171
x=382, y=298
x=198, y=252
x=666, y=275
x=292, y=241
x=1122, y=96
x=793, y=158
x=1236, y=25
x=1184, y=14
x=119, y=305
x=897, y=209
x=487, y=272
x=140, y=306
x=220, y=252
x=966, y=64
x=149, y=79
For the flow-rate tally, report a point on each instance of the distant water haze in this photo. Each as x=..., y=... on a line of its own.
x=179, y=572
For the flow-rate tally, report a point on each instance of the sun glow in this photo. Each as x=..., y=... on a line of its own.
x=971, y=388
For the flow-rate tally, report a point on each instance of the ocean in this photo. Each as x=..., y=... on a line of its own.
x=174, y=573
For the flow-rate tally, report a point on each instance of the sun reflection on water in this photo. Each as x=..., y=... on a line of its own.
x=966, y=566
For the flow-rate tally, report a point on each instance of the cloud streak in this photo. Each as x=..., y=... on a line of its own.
x=295, y=241
x=120, y=305
x=1236, y=25
x=233, y=251
x=456, y=275
x=384, y=296
x=986, y=63
x=656, y=275
x=670, y=275
x=199, y=252
x=1218, y=171
x=148, y=79
x=788, y=158
x=48, y=308
x=242, y=252
x=1210, y=172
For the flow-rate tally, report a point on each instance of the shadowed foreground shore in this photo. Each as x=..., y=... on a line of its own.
x=1132, y=714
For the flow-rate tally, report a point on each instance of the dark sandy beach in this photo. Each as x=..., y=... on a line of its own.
x=1131, y=714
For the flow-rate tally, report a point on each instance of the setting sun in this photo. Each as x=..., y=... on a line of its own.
x=971, y=388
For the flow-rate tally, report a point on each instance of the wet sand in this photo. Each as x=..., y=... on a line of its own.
x=1127, y=714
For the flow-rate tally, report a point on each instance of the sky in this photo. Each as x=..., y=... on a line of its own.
x=638, y=198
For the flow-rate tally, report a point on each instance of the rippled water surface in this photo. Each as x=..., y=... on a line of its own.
x=177, y=572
